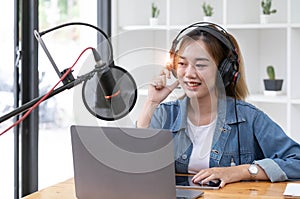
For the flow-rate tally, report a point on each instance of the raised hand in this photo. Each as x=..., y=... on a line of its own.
x=158, y=89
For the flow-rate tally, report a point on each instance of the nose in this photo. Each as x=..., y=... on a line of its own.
x=190, y=70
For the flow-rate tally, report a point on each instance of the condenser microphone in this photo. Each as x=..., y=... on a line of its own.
x=108, y=92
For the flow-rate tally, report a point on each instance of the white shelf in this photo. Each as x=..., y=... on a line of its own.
x=268, y=99
x=257, y=26
x=228, y=26
x=295, y=25
x=295, y=101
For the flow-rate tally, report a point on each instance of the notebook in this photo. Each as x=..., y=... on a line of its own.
x=127, y=163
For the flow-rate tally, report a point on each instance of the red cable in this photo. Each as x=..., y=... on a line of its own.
x=46, y=95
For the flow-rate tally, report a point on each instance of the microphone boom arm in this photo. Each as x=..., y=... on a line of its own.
x=29, y=104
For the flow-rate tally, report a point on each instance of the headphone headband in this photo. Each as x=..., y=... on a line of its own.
x=221, y=34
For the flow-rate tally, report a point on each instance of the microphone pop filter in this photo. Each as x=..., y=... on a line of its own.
x=117, y=106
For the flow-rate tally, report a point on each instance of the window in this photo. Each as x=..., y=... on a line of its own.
x=6, y=98
x=56, y=114
x=55, y=158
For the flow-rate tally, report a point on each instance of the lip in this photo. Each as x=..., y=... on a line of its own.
x=191, y=85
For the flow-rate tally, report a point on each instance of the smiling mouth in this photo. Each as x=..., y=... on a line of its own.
x=193, y=84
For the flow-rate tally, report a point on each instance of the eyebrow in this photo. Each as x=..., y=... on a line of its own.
x=197, y=59
x=202, y=59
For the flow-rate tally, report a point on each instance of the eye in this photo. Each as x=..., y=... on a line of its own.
x=200, y=65
x=181, y=63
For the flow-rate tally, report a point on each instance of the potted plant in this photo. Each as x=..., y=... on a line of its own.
x=266, y=11
x=272, y=84
x=208, y=11
x=154, y=14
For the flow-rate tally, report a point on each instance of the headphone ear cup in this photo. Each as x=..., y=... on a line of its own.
x=228, y=71
x=171, y=65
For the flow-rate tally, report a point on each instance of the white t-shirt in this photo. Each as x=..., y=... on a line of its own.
x=201, y=137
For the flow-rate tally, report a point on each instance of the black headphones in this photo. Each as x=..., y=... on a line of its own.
x=229, y=67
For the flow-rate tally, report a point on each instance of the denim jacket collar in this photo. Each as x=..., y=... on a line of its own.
x=226, y=116
x=181, y=122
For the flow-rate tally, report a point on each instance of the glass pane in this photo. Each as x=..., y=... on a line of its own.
x=56, y=113
x=6, y=98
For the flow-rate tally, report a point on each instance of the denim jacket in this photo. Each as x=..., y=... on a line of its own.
x=261, y=140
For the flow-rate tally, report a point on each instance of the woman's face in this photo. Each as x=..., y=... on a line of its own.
x=196, y=70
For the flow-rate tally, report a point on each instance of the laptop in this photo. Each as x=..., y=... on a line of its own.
x=127, y=163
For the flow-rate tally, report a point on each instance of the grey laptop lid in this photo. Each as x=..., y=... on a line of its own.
x=127, y=163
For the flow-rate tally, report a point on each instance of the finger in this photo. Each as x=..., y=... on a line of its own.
x=222, y=184
x=167, y=72
x=159, y=82
x=200, y=176
x=163, y=71
x=209, y=178
x=196, y=176
x=153, y=83
x=163, y=79
x=159, y=86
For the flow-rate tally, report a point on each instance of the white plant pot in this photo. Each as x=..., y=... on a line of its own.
x=264, y=19
x=153, y=21
x=208, y=18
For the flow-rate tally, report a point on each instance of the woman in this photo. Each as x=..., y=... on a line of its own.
x=217, y=135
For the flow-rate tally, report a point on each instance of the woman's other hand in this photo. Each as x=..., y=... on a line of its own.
x=224, y=174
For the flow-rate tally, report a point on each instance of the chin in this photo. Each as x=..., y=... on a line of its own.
x=193, y=94
x=196, y=94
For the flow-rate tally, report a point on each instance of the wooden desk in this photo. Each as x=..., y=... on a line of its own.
x=240, y=190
